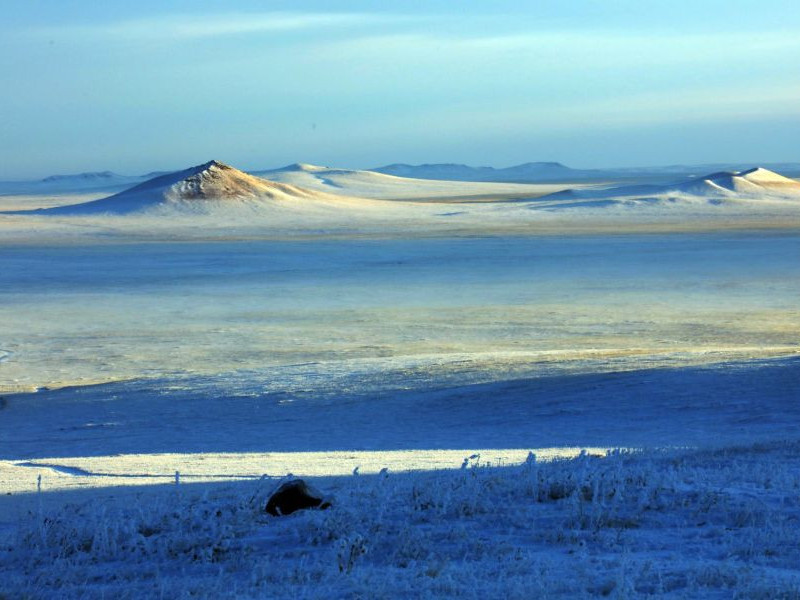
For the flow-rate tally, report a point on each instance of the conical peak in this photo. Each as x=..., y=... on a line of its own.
x=214, y=163
x=213, y=169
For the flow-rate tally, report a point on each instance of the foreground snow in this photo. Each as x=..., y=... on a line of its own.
x=683, y=523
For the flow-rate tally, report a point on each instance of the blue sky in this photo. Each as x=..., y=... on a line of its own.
x=150, y=85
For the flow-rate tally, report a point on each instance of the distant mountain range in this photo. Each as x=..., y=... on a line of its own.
x=101, y=177
x=557, y=172
x=532, y=171
x=76, y=183
x=94, y=176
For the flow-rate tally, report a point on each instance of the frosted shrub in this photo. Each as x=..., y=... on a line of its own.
x=349, y=549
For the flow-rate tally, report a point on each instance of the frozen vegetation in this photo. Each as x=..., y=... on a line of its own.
x=717, y=523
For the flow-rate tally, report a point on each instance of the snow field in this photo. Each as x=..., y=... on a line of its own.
x=19, y=478
x=717, y=523
x=122, y=311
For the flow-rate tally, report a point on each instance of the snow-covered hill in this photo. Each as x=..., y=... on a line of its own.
x=371, y=184
x=752, y=182
x=323, y=178
x=756, y=183
x=202, y=188
x=689, y=170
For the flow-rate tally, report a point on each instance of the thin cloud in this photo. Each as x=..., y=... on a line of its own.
x=214, y=25
x=563, y=46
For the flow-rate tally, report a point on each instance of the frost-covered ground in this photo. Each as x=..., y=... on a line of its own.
x=681, y=523
x=410, y=338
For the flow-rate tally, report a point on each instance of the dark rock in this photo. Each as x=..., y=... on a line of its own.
x=295, y=495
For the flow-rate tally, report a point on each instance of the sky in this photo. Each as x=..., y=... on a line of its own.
x=135, y=87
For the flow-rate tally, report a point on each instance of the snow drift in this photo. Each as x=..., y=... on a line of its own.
x=371, y=184
x=320, y=178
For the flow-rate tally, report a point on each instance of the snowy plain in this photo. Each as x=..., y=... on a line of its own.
x=161, y=374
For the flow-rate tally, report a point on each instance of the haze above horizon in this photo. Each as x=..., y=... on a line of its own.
x=147, y=86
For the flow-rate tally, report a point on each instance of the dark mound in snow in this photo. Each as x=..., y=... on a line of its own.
x=293, y=496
